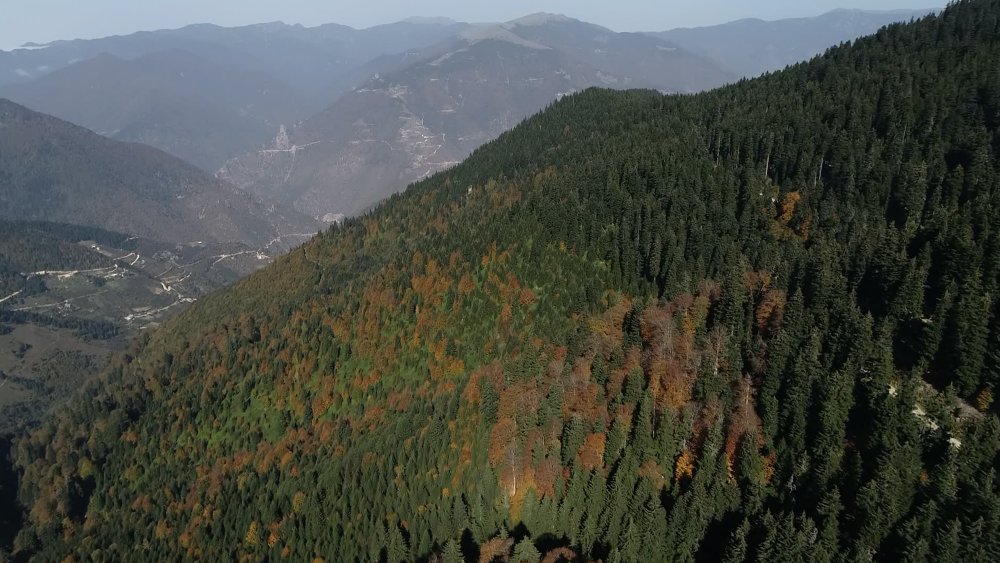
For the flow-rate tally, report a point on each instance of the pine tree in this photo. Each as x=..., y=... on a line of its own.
x=396, y=549
x=796, y=400
x=452, y=552
x=526, y=552
x=964, y=341
x=947, y=541
x=973, y=547
x=736, y=551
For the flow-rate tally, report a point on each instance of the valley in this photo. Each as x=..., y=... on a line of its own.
x=100, y=240
x=61, y=326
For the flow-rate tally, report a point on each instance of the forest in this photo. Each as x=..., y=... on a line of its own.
x=755, y=324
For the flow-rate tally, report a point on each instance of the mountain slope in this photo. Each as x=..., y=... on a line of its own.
x=70, y=296
x=635, y=328
x=427, y=110
x=752, y=47
x=51, y=170
x=202, y=112
x=405, y=126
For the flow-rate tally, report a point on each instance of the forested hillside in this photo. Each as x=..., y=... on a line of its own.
x=753, y=324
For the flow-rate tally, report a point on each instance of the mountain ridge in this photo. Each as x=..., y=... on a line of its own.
x=321, y=46
x=252, y=80
x=173, y=100
x=750, y=47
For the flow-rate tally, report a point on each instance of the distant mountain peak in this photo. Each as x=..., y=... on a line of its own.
x=429, y=20
x=540, y=18
x=498, y=33
x=509, y=31
x=272, y=26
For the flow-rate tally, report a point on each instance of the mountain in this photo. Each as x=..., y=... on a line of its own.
x=51, y=170
x=200, y=111
x=734, y=326
x=203, y=93
x=427, y=110
x=310, y=59
x=631, y=57
x=751, y=47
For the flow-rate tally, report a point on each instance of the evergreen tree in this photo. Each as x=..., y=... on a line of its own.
x=452, y=552
x=526, y=552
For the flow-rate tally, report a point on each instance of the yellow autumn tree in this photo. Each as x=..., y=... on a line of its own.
x=252, y=537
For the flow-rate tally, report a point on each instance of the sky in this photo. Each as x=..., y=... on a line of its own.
x=41, y=21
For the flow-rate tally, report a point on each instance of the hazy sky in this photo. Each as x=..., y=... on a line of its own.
x=46, y=20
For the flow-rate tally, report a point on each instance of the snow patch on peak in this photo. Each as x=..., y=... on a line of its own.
x=498, y=33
